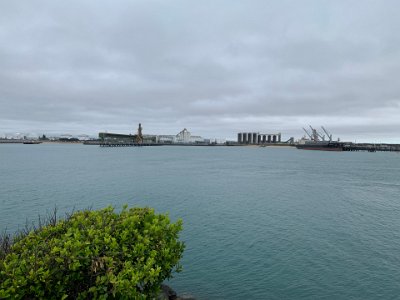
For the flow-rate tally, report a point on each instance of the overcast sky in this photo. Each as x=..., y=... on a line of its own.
x=215, y=67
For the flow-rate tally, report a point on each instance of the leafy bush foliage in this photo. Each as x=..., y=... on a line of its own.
x=93, y=254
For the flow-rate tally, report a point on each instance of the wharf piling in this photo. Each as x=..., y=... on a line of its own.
x=371, y=147
x=127, y=144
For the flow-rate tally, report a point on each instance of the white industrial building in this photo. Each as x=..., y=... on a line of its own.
x=183, y=137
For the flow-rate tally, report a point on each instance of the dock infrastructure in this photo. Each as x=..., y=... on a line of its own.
x=11, y=141
x=107, y=144
x=369, y=147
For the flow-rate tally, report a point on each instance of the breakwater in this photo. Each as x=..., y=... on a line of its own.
x=127, y=144
x=371, y=147
x=368, y=147
x=11, y=141
x=353, y=147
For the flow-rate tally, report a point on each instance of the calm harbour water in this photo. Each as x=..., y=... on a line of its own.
x=259, y=223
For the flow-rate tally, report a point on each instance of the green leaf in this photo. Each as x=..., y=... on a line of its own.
x=94, y=254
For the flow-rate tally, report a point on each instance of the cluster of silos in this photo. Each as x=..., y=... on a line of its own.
x=256, y=138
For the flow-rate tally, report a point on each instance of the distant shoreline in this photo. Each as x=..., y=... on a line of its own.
x=370, y=147
x=21, y=141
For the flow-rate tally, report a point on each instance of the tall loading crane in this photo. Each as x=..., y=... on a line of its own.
x=308, y=134
x=316, y=136
x=327, y=133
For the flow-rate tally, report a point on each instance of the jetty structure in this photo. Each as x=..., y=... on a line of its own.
x=11, y=141
x=316, y=140
x=184, y=137
x=107, y=139
x=313, y=140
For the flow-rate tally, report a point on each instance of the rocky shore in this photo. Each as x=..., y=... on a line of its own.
x=169, y=294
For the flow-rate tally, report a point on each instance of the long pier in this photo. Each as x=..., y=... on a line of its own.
x=128, y=144
x=371, y=147
x=11, y=141
x=345, y=146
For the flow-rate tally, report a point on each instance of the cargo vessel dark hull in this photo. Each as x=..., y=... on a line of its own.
x=321, y=146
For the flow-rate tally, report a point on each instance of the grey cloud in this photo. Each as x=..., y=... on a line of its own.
x=216, y=67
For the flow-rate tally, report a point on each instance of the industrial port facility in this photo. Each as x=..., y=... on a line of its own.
x=257, y=138
x=312, y=140
x=184, y=137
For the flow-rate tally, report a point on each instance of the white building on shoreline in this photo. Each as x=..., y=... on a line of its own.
x=185, y=137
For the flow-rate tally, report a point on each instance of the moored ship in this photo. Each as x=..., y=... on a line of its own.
x=317, y=141
x=323, y=146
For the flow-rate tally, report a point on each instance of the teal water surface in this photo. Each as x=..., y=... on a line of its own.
x=259, y=223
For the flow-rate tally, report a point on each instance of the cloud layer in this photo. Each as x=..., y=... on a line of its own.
x=215, y=67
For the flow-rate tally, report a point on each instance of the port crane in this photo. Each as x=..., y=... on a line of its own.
x=316, y=136
x=308, y=134
x=327, y=133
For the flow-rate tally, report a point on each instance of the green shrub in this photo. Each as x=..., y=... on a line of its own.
x=93, y=254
